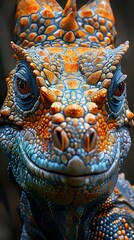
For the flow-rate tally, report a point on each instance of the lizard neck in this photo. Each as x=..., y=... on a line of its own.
x=65, y=222
x=73, y=221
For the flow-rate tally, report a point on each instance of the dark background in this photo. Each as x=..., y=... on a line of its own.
x=124, y=15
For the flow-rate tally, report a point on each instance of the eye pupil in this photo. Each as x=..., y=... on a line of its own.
x=23, y=87
x=120, y=87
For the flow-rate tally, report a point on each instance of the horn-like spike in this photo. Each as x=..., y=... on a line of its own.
x=18, y=51
x=47, y=96
x=70, y=7
x=28, y=7
x=69, y=23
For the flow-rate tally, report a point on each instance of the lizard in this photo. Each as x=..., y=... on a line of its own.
x=64, y=123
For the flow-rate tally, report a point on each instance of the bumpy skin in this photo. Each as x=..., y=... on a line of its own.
x=64, y=122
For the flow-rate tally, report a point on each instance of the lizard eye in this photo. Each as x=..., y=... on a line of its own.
x=119, y=90
x=26, y=89
x=23, y=87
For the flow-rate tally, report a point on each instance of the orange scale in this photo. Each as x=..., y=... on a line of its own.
x=25, y=43
x=91, y=21
x=95, y=18
x=24, y=22
x=51, y=38
x=40, y=38
x=72, y=84
x=103, y=29
x=94, y=78
x=96, y=25
x=32, y=36
x=41, y=53
x=107, y=40
x=103, y=44
x=69, y=68
x=110, y=24
x=109, y=35
x=80, y=34
x=47, y=13
x=69, y=37
x=93, y=39
x=59, y=33
x=48, y=22
x=100, y=36
x=86, y=13
x=57, y=45
x=126, y=225
x=22, y=36
x=89, y=28
x=50, y=29
x=35, y=17
x=46, y=59
x=102, y=21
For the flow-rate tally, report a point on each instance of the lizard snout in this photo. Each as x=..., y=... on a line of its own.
x=61, y=140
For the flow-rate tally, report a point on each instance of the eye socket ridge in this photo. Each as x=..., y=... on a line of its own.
x=23, y=72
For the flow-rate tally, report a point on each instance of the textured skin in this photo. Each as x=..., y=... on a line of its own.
x=64, y=122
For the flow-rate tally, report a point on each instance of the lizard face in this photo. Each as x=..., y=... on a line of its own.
x=64, y=122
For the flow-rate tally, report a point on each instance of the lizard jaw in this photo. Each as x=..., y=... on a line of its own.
x=76, y=176
x=66, y=189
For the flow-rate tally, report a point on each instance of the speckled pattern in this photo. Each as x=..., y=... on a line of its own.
x=64, y=123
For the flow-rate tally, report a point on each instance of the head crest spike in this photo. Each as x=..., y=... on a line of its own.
x=70, y=7
x=20, y=53
x=69, y=22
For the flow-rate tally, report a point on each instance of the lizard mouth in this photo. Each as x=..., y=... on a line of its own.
x=75, y=173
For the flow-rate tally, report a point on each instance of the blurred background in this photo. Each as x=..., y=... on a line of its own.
x=124, y=15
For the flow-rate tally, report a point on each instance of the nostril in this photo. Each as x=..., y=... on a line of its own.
x=92, y=135
x=90, y=140
x=60, y=139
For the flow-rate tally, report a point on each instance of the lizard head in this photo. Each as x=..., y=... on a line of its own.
x=64, y=121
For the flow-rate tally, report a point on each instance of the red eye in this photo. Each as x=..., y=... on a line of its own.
x=23, y=87
x=119, y=89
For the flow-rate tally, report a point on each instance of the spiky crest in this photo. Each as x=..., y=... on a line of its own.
x=45, y=22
